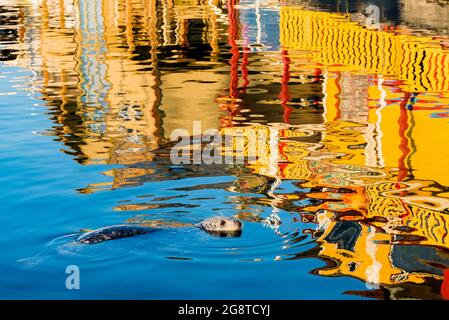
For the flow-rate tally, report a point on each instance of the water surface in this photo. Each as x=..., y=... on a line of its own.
x=349, y=200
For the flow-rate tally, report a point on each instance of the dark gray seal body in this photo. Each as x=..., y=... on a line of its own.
x=113, y=232
x=219, y=226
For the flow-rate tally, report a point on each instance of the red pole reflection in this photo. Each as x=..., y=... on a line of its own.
x=285, y=95
x=229, y=103
x=245, y=69
x=337, y=96
x=403, y=146
x=232, y=32
x=445, y=286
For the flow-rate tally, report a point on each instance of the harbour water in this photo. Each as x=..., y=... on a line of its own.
x=348, y=198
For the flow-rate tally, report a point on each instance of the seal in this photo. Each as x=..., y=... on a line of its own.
x=218, y=226
x=112, y=233
x=221, y=226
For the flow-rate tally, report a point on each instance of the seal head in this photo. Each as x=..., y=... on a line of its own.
x=221, y=226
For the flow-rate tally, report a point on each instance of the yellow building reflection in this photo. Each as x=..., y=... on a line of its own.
x=377, y=154
x=410, y=76
x=101, y=70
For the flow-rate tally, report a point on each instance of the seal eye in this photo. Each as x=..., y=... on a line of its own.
x=222, y=223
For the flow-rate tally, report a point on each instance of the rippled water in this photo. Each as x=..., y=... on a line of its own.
x=349, y=200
